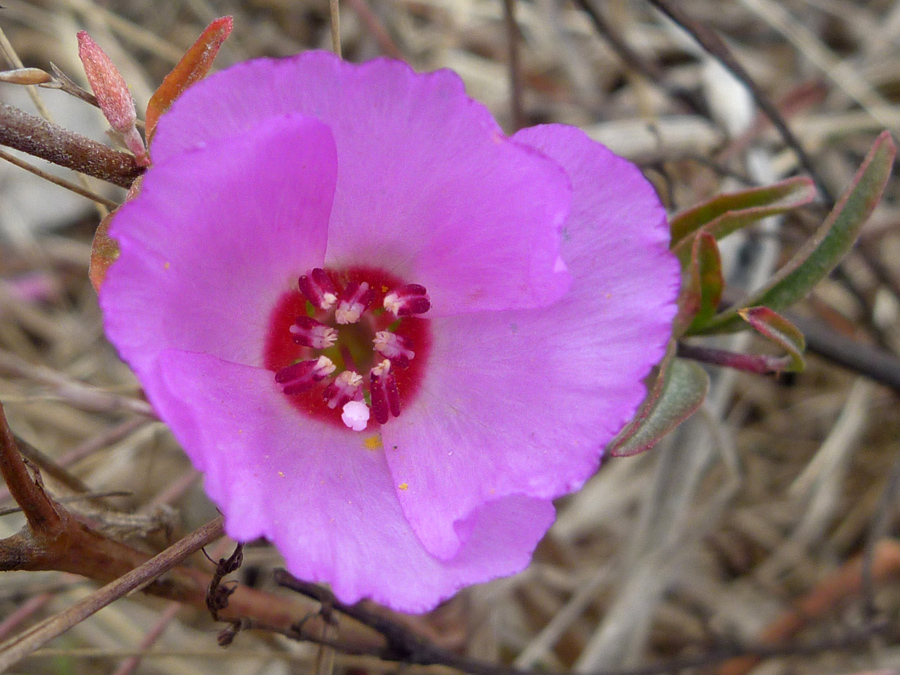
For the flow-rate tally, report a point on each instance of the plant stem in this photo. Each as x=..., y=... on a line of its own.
x=51, y=142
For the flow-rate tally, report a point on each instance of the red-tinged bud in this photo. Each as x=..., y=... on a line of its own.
x=112, y=94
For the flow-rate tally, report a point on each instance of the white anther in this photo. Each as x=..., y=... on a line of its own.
x=346, y=313
x=324, y=367
x=355, y=415
x=328, y=300
x=353, y=302
x=311, y=333
x=382, y=368
x=392, y=303
x=393, y=347
x=407, y=300
x=350, y=379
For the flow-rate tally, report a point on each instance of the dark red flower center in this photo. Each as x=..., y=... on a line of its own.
x=349, y=346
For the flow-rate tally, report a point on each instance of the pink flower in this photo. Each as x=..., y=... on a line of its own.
x=322, y=247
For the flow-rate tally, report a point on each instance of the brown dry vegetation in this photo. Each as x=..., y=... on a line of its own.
x=762, y=501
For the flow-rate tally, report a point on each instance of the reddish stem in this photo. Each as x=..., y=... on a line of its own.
x=51, y=142
x=749, y=363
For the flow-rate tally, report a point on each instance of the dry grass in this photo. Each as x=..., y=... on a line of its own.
x=767, y=492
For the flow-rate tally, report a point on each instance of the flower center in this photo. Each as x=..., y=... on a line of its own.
x=349, y=346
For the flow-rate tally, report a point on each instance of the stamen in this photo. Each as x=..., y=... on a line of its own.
x=355, y=415
x=318, y=289
x=355, y=299
x=407, y=300
x=392, y=346
x=304, y=375
x=383, y=389
x=346, y=387
x=310, y=333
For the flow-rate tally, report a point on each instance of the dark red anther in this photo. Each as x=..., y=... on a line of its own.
x=308, y=332
x=393, y=394
x=304, y=375
x=346, y=387
x=407, y=300
x=355, y=300
x=318, y=289
x=384, y=393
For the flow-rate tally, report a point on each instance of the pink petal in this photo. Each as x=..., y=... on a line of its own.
x=523, y=402
x=429, y=188
x=234, y=208
x=323, y=497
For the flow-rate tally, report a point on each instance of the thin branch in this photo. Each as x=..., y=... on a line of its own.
x=19, y=647
x=130, y=664
x=833, y=589
x=78, y=393
x=61, y=182
x=515, y=74
x=27, y=491
x=75, y=498
x=51, y=142
x=385, y=42
x=715, y=46
x=406, y=647
x=876, y=364
x=335, y=8
x=56, y=540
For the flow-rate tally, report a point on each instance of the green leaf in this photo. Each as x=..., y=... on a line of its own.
x=780, y=331
x=726, y=213
x=824, y=250
x=194, y=65
x=680, y=388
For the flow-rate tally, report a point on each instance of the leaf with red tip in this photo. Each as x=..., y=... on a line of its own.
x=702, y=291
x=824, y=250
x=680, y=388
x=194, y=65
x=780, y=331
x=724, y=214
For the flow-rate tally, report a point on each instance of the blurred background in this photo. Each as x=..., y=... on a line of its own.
x=779, y=492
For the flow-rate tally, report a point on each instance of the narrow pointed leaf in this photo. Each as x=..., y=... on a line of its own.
x=194, y=65
x=824, y=250
x=780, y=331
x=738, y=209
x=680, y=389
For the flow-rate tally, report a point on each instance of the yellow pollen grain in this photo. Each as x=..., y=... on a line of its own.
x=403, y=486
x=281, y=473
x=373, y=442
x=167, y=265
